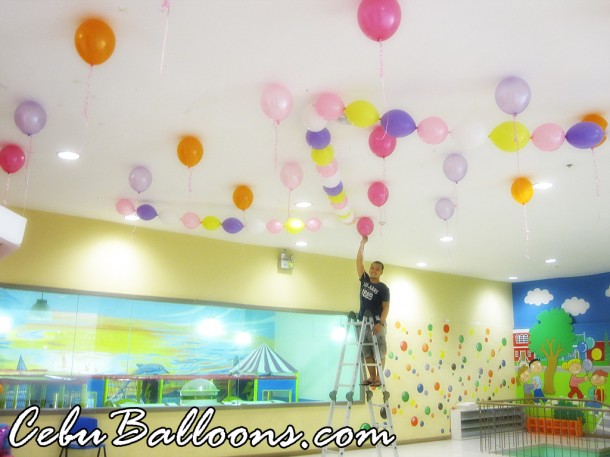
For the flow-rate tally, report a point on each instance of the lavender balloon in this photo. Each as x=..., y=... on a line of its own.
x=318, y=140
x=146, y=212
x=140, y=179
x=398, y=123
x=444, y=208
x=584, y=135
x=334, y=191
x=455, y=167
x=232, y=225
x=513, y=95
x=30, y=117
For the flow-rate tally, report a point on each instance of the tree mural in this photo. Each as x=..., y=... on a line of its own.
x=553, y=336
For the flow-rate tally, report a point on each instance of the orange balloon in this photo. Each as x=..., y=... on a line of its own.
x=599, y=120
x=94, y=41
x=243, y=197
x=190, y=151
x=522, y=190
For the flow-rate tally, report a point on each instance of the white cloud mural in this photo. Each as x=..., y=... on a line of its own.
x=538, y=297
x=608, y=292
x=575, y=306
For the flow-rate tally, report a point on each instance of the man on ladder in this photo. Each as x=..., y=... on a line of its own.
x=375, y=298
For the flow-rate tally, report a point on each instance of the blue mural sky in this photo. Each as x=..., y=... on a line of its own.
x=585, y=298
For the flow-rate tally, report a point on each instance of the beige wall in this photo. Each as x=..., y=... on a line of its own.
x=447, y=338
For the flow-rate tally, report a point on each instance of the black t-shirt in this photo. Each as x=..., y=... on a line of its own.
x=371, y=296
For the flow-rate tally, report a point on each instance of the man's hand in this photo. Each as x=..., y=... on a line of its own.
x=377, y=328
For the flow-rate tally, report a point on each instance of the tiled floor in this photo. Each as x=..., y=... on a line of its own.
x=441, y=448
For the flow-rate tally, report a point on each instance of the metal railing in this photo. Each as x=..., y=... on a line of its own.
x=545, y=427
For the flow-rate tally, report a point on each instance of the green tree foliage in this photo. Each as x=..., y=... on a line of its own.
x=553, y=336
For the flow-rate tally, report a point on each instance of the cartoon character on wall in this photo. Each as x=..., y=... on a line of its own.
x=523, y=378
x=535, y=370
x=597, y=391
x=574, y=366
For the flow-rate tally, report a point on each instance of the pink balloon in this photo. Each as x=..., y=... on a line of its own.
x=329, y=106
x=378, y=193
x=432, y=130
x=365, y=226
x=190, y=220
x=125, y=207
x=274, y=226
x=140, y=179
x=12, y=158
x=276, y=102
x=313, y=224
x=548, y=137
x=341, y=204
x=328, y=170
x=379, y=19
x=291, y=175
x=30, y=117
x=381, y=143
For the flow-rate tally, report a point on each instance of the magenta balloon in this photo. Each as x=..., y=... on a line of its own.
x=232, y=225
x=276, y=102
x=365, y=226
x=444, y=208
x=140, y=179
x=379, y=19
x=378, y=193
x=30, y=117
x=381, y=142
x=291, y=175
x=548, y=137
x=513, y=95
x=455, y=167
x=12, y=158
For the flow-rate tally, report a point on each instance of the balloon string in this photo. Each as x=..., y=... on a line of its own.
x=527, y=232
x=164, y=7
x=27, y=173
x=596, y=172
x=455, y=195
x=6, y=191
x=190, y=187
x=516, y=140
x=87, y=93
x=289, y=197
x=275, y=125
x=381, y=73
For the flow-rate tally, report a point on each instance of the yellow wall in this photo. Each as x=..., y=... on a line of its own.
x=436, y=320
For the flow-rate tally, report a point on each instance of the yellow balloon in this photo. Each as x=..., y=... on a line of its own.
x=337, y=198
x=361, y=113
x=294, y=225
x=596, y=354
x=522, y=190
x=211, y=223
x=510, y=136
x=323, y=157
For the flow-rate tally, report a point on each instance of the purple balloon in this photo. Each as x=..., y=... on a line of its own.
x=334, y=191
x=232, y=225
x=318, y=140
x=146, y=212
x=444, y=208
x=140, y=179
x=584, y=135
x=455, y=167
x=398, y=123
x=30, y=117
x=513, y=95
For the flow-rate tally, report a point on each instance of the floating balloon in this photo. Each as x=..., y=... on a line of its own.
x=232, y=225
x=398, y=123
x=313, y=224
x=190, y=151
x=294, y=225
x=585, y=135
x=455, y=167
x=125, y=207
x=444, y=208
x=243, y=197
x=548, y=137
x=319, y=139
x=140, y=179
x=513, y=95
x=190, y=220
x=30, y=117
x=599, y=120
x=255, y=226
x=94, y=41
x=12, y=158
x=469, y=134
x=510, y=136
x=378, y=193
x=312, y=120
x=274, y=226
x=211, y=223
x=323, y=157
x=146, y=212
x=276, y=102
x=365, y=226
x=291, y=175
x=587, y=364
x=432, y=130
x=328, y=170
x=381, y=142
x=522, y=190
x=379, y=19
x=334, y=191
x=329, y=106
x=361, y=113
x=169, y=217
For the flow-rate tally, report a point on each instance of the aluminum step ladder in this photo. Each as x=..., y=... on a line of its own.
x=356, y=361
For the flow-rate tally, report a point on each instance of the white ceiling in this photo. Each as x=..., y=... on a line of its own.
x=202, y=70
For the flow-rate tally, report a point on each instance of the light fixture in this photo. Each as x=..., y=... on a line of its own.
x=301, y=244
x=303, y=204
x=132, y=217
x=512, y=278
x=446, y=239
x=543, y=185
x=421, y=264
x=550, y=260
x=40, y=305
x=68, y=155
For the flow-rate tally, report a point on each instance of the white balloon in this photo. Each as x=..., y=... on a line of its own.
x=469, y=134
x=255, y=226
x=312, y=120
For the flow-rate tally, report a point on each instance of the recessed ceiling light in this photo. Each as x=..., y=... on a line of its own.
x=302, y=204
x=68, y=155
x=132, y=217
x=301, y=244
x=550, y=261
x=543, y=185
x=421, y=264
x=512, y=278
x=446, y=239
